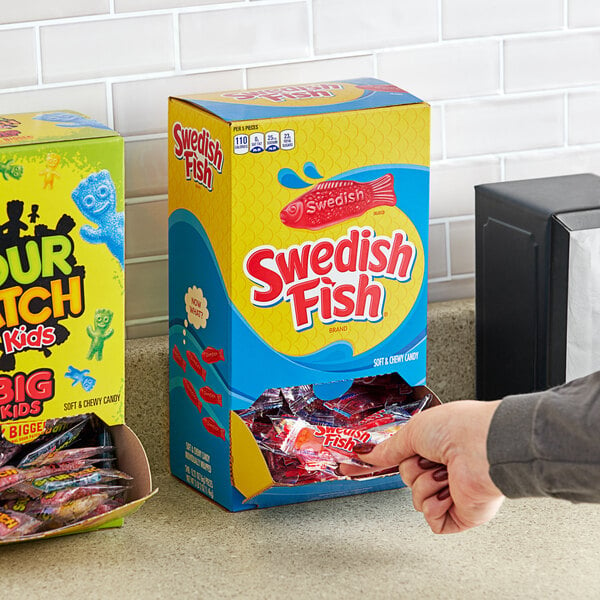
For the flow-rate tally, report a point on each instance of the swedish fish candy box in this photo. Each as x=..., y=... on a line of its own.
x=61, y=306
x=298, y=220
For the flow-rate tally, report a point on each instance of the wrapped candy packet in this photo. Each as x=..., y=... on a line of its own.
x=82, y=477
x=69, y=455
x=69, y=494
x=10, y=476
x=7, y=451
x=73, y=510
x=52, y=445
x=14, y=524
x=65, y=475
x=331, y=445
x=305, y=439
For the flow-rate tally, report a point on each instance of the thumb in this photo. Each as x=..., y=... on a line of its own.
x=391, y=452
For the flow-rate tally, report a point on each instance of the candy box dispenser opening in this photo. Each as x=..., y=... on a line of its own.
x=62, y=329
x=77, y=475
x=298, y=222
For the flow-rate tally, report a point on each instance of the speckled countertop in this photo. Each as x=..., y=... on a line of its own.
x=180, y=545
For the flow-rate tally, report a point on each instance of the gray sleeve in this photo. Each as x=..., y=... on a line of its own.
x=548, y=443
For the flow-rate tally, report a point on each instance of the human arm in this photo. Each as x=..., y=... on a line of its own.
x=541, y=444
x=441, y=456
x=548, y=443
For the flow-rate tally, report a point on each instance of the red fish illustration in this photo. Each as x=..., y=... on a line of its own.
x=178, y=358
x=195, y=364
x=210, y=396
x=211, y=426
x=191, y=392
x=332, y=202
x=212, y=355
x=392, y=89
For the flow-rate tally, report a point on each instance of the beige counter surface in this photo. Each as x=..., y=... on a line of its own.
x=180, y=545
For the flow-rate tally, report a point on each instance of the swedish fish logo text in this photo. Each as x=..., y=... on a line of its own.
x=200, y=153
x=336, y=280
x=289, y=92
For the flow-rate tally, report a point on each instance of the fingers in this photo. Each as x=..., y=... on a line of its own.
x=437, y=510
x=414, y=466
x=425, y=483
x=430, y=493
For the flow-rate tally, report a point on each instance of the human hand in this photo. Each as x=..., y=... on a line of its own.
x=441, y=455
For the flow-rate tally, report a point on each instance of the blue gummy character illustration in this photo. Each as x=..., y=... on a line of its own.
x=96, y=198
x=82, y=377
x=65, y=119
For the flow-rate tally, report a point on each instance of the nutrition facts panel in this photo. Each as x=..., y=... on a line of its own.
x=257, y=142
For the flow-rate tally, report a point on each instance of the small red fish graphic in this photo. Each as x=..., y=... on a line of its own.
x=210, y=396
x=195, y=364
x=211, y=426
x=331, y=202
x=191, y=392
x=212, y=355
x=178, y=358
x=391, y=89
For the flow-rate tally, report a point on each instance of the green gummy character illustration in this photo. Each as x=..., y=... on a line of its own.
x=9, y=169
x=99, y=332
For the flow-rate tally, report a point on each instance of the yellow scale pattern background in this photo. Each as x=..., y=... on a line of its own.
x=240, y=217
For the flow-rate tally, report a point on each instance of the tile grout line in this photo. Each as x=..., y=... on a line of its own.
x=501, y=74
x=138, y=260
x=110, y=107
x=177, y=42
x=448, y=250
x=146, y=321
x=311, y=28
x=456, y=219
x=110, y=16
x=38, y=55
x=146, y=199
x=566, y=120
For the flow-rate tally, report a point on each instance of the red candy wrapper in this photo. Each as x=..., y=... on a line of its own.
x=304, y=439
x=69, y=455
x=69, y=494
x=329, y=446
x=14, y=524
x=10, y=476
x=73, y=510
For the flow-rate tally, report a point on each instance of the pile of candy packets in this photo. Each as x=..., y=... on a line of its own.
x=66, y=475
x=305, y=439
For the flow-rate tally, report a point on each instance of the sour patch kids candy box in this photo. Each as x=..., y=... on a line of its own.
x=298, y=221
x=61, y=274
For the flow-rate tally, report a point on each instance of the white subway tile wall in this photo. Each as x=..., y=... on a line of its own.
x=514, y=87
